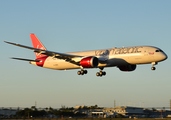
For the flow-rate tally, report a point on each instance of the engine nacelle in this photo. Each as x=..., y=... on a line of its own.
x=89, y=62
x=127, y=67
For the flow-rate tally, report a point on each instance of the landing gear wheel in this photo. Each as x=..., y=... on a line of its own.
x=104, y=73
x=153, y=68
x=97, y=74
x=85, y=71
x=79, y=72
x=82, y=72
x=101, y=73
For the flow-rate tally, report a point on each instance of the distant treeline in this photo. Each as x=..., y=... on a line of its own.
x=33, y=112
x=93, y=119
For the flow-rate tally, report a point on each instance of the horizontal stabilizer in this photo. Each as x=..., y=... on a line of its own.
x=25, y=59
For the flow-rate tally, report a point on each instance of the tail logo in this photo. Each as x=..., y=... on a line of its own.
x=37, y=44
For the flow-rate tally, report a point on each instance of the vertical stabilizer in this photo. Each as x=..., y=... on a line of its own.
x=37, y=44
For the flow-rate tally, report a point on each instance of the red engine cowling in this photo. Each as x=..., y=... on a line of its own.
x=127, y=67
x=89, y=62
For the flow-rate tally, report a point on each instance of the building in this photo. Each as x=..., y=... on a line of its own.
x=157, y=113
x=125, y=110
x=8, y=111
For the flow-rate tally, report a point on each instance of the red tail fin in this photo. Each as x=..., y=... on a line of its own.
x=37, y=44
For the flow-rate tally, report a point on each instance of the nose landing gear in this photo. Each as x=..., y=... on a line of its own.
x=153, y=63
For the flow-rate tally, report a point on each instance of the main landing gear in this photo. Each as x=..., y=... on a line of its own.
x=82, y=72
x=101, y=73
x=153, y=63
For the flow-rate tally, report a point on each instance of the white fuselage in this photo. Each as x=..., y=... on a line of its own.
x=113, y=57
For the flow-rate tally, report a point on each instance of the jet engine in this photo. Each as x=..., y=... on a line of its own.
x=127, y=67
x=89, y=62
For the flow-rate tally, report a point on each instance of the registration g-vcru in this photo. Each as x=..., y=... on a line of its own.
x=125, y=58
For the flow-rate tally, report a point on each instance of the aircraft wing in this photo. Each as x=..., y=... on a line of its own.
x=66, y=57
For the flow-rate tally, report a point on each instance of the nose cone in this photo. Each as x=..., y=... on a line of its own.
x=163, y=56
x=160, y=56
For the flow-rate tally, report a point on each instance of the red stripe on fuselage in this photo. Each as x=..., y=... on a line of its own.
x=41, y=61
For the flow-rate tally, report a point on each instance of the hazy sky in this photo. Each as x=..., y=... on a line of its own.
x=77, y=25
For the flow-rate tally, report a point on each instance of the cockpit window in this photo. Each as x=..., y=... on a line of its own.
x=159, y=51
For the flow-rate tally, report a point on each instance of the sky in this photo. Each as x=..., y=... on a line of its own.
x=71, y=26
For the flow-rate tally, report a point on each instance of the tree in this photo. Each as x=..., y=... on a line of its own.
x=31, y=112
x=119, y=116
x=154, y=109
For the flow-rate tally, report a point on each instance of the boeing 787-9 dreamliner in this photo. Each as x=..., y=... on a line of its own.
x=125, y=58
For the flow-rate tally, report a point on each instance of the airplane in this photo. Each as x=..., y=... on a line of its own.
x=125, y=58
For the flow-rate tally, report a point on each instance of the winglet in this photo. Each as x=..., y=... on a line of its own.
x=37, y=44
